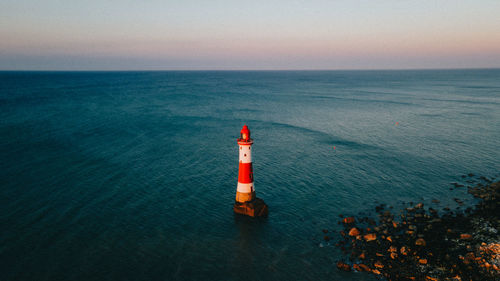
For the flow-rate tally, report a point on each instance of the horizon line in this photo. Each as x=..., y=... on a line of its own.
x=249, y=69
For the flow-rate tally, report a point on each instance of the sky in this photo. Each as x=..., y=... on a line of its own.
x=234, y=34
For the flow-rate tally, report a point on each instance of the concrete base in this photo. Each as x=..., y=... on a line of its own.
x=254, y=208
x=245, y=197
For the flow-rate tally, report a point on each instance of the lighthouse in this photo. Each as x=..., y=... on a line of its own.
x=246, y=202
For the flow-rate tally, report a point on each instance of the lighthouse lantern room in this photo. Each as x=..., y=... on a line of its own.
x=246, y=202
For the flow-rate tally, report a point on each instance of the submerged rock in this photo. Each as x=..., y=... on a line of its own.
x=343, y=266
x=420, y=242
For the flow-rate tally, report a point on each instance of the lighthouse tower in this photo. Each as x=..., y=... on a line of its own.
x=246, y=202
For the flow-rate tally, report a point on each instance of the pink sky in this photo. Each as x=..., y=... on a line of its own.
x=257, y=35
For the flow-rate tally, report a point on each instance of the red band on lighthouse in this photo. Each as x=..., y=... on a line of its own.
x=245, y=174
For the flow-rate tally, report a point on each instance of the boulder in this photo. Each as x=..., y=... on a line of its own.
x=343, y=266
x=420, y=242
x=348, y=220
x=354, y=232
x=370, y=237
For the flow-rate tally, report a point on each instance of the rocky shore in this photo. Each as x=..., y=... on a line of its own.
x=421, y=243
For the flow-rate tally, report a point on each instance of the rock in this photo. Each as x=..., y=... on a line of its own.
x=485, y=178
x=325, y=230
x=364, y=267
x=348, y=220
x=404, y=250
x=465, y=236
x=361, y=267
x=343, y=266
x=370, y=237
x=378, y=264
x=470, y=256
x=420, y=242
x=354, y=232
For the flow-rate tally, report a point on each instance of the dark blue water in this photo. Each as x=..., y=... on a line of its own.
x=132, y=175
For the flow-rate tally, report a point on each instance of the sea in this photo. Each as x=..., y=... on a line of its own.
x=132, y=175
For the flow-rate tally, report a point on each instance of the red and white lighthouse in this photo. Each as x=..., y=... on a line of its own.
x=246, y=202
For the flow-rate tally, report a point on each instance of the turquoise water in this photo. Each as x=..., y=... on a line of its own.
x=132, y=175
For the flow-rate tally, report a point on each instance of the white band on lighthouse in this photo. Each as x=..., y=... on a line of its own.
x=245, y=187
x=245, y=153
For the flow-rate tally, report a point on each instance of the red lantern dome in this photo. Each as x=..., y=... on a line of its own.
x=245, y=134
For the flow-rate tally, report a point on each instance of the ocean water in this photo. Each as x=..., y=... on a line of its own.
x=132, y=175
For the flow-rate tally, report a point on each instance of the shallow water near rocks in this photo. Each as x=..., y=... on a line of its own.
x=132, y=175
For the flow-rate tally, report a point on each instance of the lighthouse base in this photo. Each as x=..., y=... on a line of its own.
x=254, y=208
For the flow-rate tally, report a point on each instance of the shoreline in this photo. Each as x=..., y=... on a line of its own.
x=420, y=244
